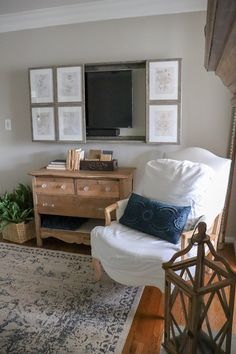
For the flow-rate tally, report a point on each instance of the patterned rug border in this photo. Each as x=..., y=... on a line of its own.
x=43, y=250
x=73, y=256
x=129, y=321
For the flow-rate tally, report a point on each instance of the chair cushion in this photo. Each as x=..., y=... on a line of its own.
x=131, y=257
x=182, y=183
x=155, y=218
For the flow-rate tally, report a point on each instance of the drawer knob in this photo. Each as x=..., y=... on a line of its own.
x=107, y=189
x=86, y=188
x=44, y=185
x=45, y=204
x=52, y=205
x=63, y=187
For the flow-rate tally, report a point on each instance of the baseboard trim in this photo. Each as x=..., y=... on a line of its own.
x=231, y=239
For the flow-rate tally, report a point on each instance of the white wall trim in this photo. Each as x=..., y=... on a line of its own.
x=95, y=11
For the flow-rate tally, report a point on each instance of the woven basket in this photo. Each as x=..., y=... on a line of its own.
x=19, y=233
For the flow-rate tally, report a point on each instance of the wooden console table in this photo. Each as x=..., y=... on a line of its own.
x=77, y=193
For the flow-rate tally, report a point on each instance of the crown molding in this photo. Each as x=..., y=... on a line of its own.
x=95, y=11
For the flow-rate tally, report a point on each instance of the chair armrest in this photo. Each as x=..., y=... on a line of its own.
x=185, y=236
x=213, y=232
x=119, y=207
x=108, y=211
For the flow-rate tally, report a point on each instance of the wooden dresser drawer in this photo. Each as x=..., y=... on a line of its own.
x=82, y=194
x=58, y=205
x=97, y=188
x=73, y=206
x=58, y=186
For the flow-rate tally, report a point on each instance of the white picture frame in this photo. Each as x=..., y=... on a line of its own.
x=164, y=80
x=43, y=123
x=41, y=85
x=69, y=84
x=70, y=123
x=163, y=123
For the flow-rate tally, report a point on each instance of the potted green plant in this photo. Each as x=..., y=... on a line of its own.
x=16, y=214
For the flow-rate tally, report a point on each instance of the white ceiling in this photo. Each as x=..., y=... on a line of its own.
x=25, y=14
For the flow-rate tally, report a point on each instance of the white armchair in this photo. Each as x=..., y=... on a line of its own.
x=191, y=176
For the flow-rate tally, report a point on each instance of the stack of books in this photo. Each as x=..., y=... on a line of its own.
x=57, y=165
x=73, y=159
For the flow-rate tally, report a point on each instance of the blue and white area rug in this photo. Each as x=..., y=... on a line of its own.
x=51, y=304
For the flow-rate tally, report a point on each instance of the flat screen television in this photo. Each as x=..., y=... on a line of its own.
x=108, y=99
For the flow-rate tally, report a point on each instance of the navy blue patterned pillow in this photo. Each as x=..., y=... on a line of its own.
x=155, y=218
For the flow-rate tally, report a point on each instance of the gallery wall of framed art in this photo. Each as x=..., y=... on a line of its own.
x=58, y=102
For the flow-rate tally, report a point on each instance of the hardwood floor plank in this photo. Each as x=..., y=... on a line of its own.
x=146, y=331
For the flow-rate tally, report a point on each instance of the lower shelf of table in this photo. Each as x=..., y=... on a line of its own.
x=80, y=235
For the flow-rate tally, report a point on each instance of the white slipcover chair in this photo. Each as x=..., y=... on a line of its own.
x=191, y=176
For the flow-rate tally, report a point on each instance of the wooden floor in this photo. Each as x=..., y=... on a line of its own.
x=146, y=332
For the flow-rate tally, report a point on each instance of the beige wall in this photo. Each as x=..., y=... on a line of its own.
x=206, y=116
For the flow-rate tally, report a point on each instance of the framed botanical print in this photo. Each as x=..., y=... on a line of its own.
x=43, y=123
x=70, y=123
x=163, y=123
x=163, y=101
x=69, y=84
x=41, y=85
x=164, y=80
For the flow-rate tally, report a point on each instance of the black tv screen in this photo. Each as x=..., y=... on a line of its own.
x=108, y=99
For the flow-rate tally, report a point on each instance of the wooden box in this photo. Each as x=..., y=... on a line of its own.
x=98, y=165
